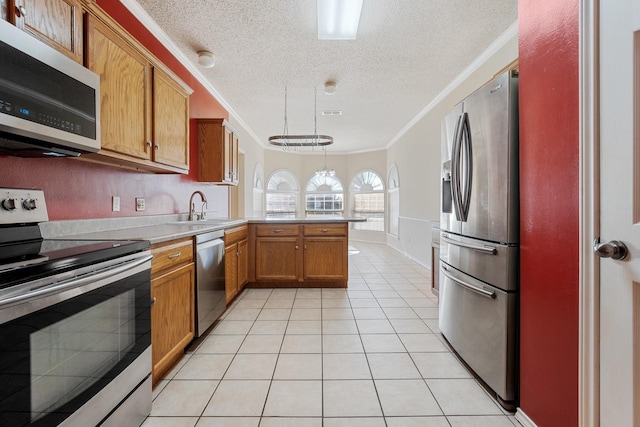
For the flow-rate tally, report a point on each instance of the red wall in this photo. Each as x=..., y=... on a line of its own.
x=76, y=189
x=549, y=189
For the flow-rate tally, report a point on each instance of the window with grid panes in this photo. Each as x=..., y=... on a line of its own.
x=324, y=197
x=367, y=191
x=281, y=198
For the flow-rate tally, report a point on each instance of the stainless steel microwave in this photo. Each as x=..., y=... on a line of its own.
x=49, y=104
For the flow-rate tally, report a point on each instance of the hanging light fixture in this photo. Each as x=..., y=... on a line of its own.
x=325, y=171
x=287, y=141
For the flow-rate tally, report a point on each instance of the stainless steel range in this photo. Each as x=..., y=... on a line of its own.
x=75, y=324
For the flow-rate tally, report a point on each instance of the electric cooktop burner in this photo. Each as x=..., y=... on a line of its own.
x=26, y=256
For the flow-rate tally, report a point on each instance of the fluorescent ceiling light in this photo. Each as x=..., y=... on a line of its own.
x=338, y=19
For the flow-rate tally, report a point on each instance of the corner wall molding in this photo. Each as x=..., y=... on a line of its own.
x=145, y=19
x=504, y=38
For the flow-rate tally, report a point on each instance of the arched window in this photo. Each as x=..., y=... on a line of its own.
x=367, y=195
x=394, y=200
x=258, y=191
x=282, y=195
x=324, y=197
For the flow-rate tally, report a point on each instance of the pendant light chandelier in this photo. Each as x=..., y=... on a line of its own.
x=325, y=171
x=286, y=141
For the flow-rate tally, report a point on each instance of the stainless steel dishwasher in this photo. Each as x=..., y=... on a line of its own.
x=210, y=293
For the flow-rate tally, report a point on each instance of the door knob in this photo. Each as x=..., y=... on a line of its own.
x=614, y=249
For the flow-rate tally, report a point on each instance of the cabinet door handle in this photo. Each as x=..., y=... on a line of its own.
x=278, y=230
x=157, y=146
x=148, y=143
x=153, y=301
x=305, y=247
x=172, y=256
x=297, y=247
x=22, y=11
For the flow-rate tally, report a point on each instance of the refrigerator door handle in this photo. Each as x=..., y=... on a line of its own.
x=491, y=250
x=473, y=288
x=455, y=169
x=465, y=200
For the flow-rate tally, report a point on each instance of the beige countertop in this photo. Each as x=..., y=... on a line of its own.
x=175, y=229
x=160, y=232
x=337, y=219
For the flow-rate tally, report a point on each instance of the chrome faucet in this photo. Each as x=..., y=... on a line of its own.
x=192, y=206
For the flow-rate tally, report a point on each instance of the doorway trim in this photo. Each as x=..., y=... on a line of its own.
x=589, y=280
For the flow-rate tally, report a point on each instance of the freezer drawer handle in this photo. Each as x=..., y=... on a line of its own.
x=492, y=250
x=483, y=292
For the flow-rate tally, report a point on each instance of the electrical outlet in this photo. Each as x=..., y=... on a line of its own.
x=139, y=203
x=115, y=203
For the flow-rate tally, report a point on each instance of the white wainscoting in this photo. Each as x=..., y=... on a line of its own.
x=414, y=240
x=367, y=236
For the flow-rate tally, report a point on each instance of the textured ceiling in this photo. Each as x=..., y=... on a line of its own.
x=405, y=54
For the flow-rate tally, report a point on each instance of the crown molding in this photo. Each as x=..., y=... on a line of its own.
x=151, y=25
x=497, y=44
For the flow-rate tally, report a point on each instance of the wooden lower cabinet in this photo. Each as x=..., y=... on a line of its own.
x=277, y=258
x=243, y=263
x=325, y=258
x=299, y=255
x=231, y=271
x=173, y=304
x=172, y=318
x=236, y=259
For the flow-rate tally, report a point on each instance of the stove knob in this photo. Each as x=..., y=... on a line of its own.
x=9, y=204
x=29, y=204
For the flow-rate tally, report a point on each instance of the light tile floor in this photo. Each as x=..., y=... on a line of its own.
x=370, y=355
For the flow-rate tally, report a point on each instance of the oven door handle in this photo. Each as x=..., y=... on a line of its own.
x=75, y=281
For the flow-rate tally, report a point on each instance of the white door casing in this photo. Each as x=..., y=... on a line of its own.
x=619, y=160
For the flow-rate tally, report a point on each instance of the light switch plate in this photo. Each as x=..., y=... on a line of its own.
x=139, y=203
x=115, y=203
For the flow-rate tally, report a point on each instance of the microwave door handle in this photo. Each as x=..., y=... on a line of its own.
x=455, y=169
x=466, y=140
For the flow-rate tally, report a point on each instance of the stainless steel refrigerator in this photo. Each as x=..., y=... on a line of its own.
x=479, y=221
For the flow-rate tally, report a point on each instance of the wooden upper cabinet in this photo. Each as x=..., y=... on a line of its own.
x=125, y=89
x=170, y=121
x=57, y=23
x=144, y=107
x=217, y=152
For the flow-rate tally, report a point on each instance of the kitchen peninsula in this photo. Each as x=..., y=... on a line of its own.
x=282, y=252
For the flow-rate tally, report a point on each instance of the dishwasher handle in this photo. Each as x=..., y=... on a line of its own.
x=209, y=244
x=212, y=235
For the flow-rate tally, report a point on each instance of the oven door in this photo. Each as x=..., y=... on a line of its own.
x=69, y=344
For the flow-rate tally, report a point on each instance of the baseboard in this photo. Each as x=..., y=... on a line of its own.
x=417, y=261
x=524, y=419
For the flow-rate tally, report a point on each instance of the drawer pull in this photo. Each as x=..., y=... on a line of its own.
x=172, y=256
x=278, y=230
x=324, y=230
